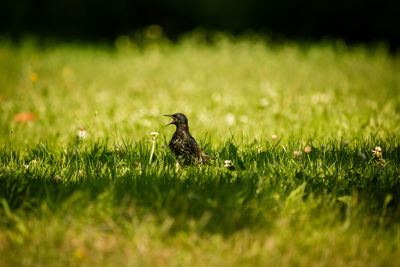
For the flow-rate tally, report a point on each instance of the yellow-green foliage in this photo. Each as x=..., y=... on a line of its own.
x=98, y=199
x=244, y=87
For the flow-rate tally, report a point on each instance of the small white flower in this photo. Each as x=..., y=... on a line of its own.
x=26, y=166
x=154, y=134
x=377, y=152
x=297, y=154
x=228, y=163
x=153, y=147
x=274, y=137
x=82, y=134
x=307, y=149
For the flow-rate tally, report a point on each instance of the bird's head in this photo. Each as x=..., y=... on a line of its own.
x=178, y=119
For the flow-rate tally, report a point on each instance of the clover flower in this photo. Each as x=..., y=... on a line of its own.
x=154, y=135
x=228, y=163
x=82, y=134
x=377, y=152
x=297, y=154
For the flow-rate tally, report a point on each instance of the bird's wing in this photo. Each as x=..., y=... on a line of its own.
x=194, y=147
x=180, y=147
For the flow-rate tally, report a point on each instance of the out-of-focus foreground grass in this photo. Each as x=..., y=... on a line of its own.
x=96, y=199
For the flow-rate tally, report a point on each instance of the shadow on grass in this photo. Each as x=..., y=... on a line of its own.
x=123, y=184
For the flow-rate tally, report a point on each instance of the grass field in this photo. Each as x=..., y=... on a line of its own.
x=77, y=186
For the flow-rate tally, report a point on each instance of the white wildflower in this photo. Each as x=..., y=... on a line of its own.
x=297, y=154
x=228, y=163
x=154, y=134
x=377, y=152
x=82, y=134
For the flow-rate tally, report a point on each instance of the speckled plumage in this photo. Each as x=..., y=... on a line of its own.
x=182, y=144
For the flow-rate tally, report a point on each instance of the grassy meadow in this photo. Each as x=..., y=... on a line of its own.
x=298, y=121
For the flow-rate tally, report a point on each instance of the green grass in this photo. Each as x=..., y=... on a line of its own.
x=99, y=201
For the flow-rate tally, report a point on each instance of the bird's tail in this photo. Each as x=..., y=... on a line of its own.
x=206, y=157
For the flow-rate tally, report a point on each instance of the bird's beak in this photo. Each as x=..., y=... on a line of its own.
x=173, y=119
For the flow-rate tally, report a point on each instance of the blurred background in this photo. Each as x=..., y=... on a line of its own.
x=352, y=21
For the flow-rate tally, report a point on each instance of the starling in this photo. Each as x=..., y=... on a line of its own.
x=183, y=144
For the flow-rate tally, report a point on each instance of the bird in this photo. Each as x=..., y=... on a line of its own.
x=183, y=145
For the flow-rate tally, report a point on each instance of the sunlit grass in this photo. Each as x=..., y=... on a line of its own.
x=305, y=136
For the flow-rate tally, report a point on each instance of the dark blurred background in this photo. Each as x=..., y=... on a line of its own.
x=352, y=21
